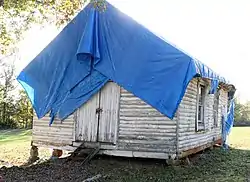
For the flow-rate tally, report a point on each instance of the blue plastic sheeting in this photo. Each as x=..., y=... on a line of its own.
x=206, y=72
x=98, y=46
x=227, y=124
x=55, y=80
x=223, y=128
x=230, y=117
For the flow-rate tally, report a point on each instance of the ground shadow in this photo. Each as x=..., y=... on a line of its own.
x=211, y=165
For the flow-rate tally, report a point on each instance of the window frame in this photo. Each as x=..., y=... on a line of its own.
x=200, y=102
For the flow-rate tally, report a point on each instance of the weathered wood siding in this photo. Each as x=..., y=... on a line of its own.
x=87, y=120
x=58, y=134
x=188, y=137
x=139, y=129
x=223, y=101
x=143, y=128
x=108, y=119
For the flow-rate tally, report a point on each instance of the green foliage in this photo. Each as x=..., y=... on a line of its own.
x=242, y=112
x=15, y=108
x=7, y=106
x=24, y=111
x=16, y=16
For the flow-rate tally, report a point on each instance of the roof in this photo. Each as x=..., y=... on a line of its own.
x=99, y=46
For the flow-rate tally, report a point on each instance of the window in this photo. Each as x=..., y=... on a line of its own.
x=216, y=108
x=200, y=107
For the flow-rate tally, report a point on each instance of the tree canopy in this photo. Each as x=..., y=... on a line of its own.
x=15, y=107
x=16, y=16
x=242, y=112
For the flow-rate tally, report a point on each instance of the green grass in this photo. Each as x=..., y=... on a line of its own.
x=215, y=165
x=9, y=136
x=240, y=138
x=15, y=146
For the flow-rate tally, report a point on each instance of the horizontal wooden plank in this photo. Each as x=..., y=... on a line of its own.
x=197, y=139
x=169, y=141
x=131, y=113
x=52, y=141
x=152, y=131
x=134, y=132
x=155, y=119
x=144, y=148
x=145, y=125
x=131, y=106
x=46, y=137
x=65, y=147
x=124, y=153
x=144, y=137
x=185, y=147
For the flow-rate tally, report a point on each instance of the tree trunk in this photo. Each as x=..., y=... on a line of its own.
x=4, y=113
x=27, y=116
x=26, y=123
x=32, y=118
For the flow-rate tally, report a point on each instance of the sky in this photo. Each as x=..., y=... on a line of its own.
x=215, y=32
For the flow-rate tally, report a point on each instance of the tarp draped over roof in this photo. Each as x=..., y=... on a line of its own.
x=99, y=46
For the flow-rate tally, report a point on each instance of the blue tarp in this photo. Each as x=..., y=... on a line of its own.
x=99, y=46
x=227, y=124
x=230, y=117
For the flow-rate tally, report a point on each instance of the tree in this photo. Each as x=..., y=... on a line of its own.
x=15, y=107
x=238, y=111
x=16, y=16
x=242, y=112
x=7, y=87
x=24, y=111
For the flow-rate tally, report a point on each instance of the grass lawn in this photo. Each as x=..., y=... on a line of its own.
x=214, y=165
x=240, y=138
x=14, y=136
x=15, y=146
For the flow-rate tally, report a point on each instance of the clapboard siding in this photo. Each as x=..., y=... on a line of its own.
x=209, y=115
x=60, y=133
x=188, y=137
x=223, y=101
x=143, y=128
